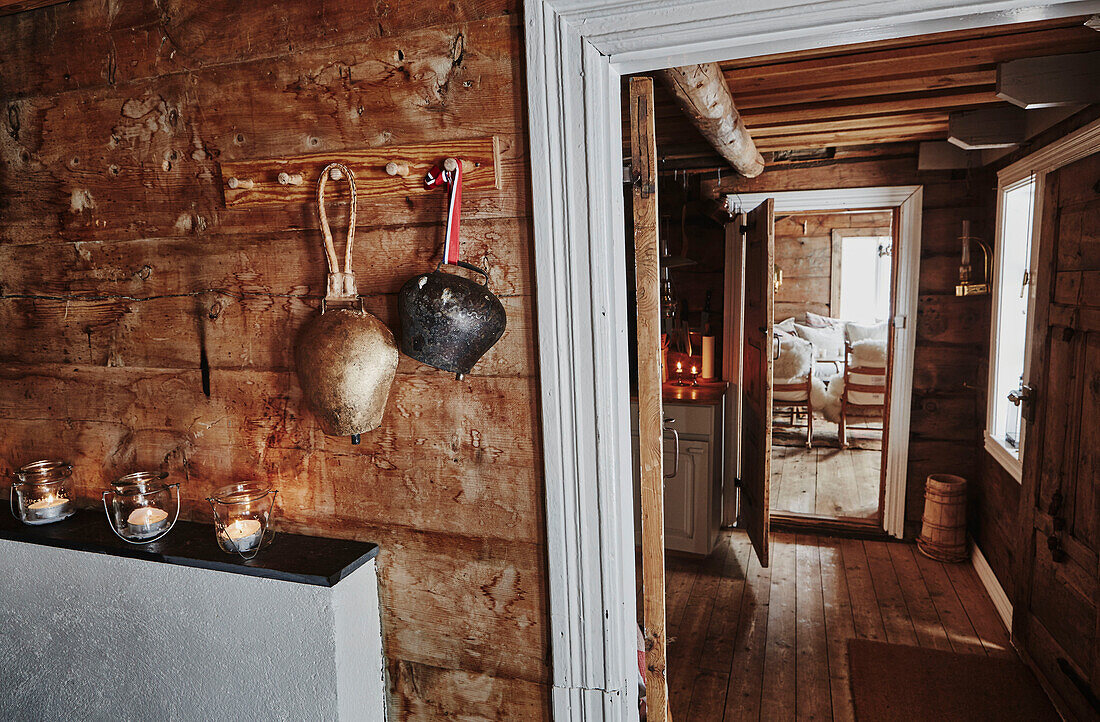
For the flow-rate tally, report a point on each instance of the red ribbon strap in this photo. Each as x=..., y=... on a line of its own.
x=453, y=180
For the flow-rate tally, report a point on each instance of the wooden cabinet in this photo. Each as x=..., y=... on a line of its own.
x=693, y=483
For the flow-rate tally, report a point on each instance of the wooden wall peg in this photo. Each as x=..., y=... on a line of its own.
x=395, y=168
x=385, y=171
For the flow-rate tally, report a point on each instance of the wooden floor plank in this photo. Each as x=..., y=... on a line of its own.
x=799, y=481
x=722, y=632
x=926, y=621
x=813, y=689
x=866, y=617
x=955, y=621
x=838, y=626
x=778, y=700
x=980, y=610
x=746, y=681
x=679, y=578
x=836, y=492
x=708, y=696
x=891, y=602
x=826, y=481
x=685, y=651
x=789, y=626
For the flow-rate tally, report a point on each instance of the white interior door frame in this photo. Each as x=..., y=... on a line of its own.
x=577, y=50
x=909, y=201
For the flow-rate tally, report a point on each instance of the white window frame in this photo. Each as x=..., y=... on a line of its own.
x=1073, y=147
x=577, y=52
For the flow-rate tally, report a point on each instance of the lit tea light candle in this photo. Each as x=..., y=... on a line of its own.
x=679, y=367
x=146, y=522
x=244, y=534
x=52, y=508
x=694, y=371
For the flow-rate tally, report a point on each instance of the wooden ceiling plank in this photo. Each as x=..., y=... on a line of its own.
x=826, y=140
x=938, y=58
x=879, y=121
x=822, y=93
x=763, y=117
x=894, y=43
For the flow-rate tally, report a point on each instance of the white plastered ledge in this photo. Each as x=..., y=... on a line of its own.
x=99, y=637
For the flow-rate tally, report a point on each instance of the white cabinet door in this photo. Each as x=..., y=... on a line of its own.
x=686, y=501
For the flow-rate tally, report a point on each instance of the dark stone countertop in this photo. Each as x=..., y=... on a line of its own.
x=291, y=557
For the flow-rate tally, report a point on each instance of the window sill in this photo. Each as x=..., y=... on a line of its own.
x=1009, y=460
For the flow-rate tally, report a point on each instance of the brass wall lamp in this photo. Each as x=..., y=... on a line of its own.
x=967, y=287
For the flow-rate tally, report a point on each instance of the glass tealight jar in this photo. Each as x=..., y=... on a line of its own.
x=143, y=507
x=40, y=492
x=242, y=516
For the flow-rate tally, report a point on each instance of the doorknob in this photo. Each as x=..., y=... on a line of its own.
x=1021, y=395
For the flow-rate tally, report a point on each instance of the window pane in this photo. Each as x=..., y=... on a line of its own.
x=1011, y=309
x=865, y=266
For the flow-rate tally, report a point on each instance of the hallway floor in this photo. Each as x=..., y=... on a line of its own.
x=751, y=643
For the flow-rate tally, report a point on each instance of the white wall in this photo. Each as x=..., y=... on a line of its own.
x=93, y=637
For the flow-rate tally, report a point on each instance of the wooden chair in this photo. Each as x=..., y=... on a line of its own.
x=848, y=407
x=805, y=387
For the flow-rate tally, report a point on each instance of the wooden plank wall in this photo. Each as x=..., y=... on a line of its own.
x=120, y=263
x=804, y=254
x=952, y=333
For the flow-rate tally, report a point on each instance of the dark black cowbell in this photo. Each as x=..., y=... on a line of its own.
x=449, y=321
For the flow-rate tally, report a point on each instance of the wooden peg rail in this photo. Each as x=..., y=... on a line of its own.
x=392, y=170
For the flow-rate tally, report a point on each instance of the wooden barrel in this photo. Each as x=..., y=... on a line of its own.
x=943, y=530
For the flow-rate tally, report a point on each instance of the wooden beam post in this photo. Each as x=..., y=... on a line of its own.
x=704, y=96
x=647, y=255
x=1050, y=81
x=986, y=128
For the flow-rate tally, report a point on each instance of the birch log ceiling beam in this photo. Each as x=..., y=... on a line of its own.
x=705, y=98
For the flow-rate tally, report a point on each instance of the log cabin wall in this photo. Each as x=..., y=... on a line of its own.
x=951, y=354
x=803, y=251
x=123, y=274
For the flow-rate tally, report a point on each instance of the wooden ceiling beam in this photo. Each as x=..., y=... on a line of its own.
x=703, y=95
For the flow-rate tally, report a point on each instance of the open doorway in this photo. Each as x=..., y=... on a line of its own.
x=833, y=303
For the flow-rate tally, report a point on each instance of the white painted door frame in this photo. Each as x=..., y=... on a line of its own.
x=576, y=52
x=909, y=201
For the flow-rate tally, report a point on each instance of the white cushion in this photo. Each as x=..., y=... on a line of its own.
x=828, y=342
x=797, y=395
x=818, y=321
x=786, y=324
x=860, y=332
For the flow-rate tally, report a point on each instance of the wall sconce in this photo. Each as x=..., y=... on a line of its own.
x=966, y=287
x=777, y=278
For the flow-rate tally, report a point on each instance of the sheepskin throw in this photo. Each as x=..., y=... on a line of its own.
x=795, y=358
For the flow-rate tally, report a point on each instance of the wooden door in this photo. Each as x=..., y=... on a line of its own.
x=1058, y=573
x=756, y=377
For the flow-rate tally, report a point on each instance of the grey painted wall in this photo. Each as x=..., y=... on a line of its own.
x=92, y=637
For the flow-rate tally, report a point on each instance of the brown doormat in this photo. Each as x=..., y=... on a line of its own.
x=897, y=682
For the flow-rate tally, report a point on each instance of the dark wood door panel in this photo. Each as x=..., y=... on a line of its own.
x=1057, y=619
